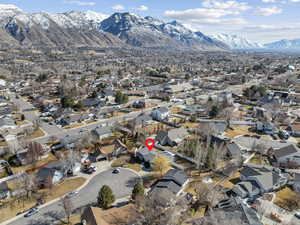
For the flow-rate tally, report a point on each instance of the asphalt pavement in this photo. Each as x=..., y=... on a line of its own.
x=121, y=185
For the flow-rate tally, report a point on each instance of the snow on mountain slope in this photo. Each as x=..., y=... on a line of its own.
x=150, y=32
x=7, y=10
x=284, y=44
x=237, y=42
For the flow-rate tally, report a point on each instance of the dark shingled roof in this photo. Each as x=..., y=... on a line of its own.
x=285, y=151
x=177, y=176
x=247, y=172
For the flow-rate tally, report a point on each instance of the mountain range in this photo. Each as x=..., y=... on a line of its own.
x=91, y=29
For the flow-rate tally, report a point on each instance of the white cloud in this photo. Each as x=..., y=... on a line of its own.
x=231, y=4
x=294, y=0
x=268, y=11
x=118, y=7
x=270, y=1
x=269, y=32
x=205, y=16
x=142, y=8
x=79, y=3
x=212, y=12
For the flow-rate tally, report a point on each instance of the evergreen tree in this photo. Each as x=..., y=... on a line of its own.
x=105, y=197
x=138, y=191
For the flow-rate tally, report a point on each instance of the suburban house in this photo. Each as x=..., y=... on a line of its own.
x=294, y=130
x=4, y=191
x=92, y=102
x=174, y=181
x=146, y=157
x=67, y=142
x=194, y=110
x=55, y=172
x=265, y=127
x=7, y=123
x=71, y=119
x=172, y=137
x=141, y=120
x=175, y=88
x=102, y=132
x=287, y=156
x=236, y=208
x=160, y=113
x=255, y=182
x=233, y=150
x=113, y=216
x=296, y=185
x=139, y=104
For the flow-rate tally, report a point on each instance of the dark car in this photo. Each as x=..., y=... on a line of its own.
x=116, y=171
x=88, y=170
x=297, y=215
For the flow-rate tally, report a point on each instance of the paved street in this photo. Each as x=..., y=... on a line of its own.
x=121, y=184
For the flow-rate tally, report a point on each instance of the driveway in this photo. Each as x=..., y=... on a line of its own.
x=121, y=184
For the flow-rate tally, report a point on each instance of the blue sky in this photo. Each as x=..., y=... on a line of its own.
x=257, y=20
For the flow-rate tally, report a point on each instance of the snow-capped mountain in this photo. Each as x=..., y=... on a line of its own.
x=237, y=42
x=89, y=28
x=150, y=32
x=8, y=10
x=71, y=29
x=284, y=45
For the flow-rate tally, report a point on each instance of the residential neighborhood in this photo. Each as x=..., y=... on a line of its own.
x=146, y=135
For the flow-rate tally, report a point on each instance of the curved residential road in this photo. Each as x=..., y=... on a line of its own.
x=121, y=184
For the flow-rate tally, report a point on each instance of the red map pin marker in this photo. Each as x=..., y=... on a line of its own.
x=150, y=143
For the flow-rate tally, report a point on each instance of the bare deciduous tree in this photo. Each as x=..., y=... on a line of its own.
x=67, y=207
x=34, y=153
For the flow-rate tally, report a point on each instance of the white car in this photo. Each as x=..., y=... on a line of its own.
x=71, y=194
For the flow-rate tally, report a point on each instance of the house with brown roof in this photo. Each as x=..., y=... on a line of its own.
x=114, y=216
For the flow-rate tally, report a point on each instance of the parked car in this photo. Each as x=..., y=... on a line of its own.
x=93, y=168
x=31, y=212
x=71, y=194
x=116, y=171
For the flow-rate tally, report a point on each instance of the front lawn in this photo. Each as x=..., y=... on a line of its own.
x=36, y=134
x=41, y=163
x=126, y=162
x=10, y=207
x=287, y=199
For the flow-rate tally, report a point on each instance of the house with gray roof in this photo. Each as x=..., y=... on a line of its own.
x=258, y=181
x=141, y=120
x=236, y=208
x=147, y=157
x=4, y=191
x=160, y=113
x=7, y=123
x=288, y=156
x=233, y=150
x=172, y=137
x=296, y=185
x=174, y=181
x=102, y=132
